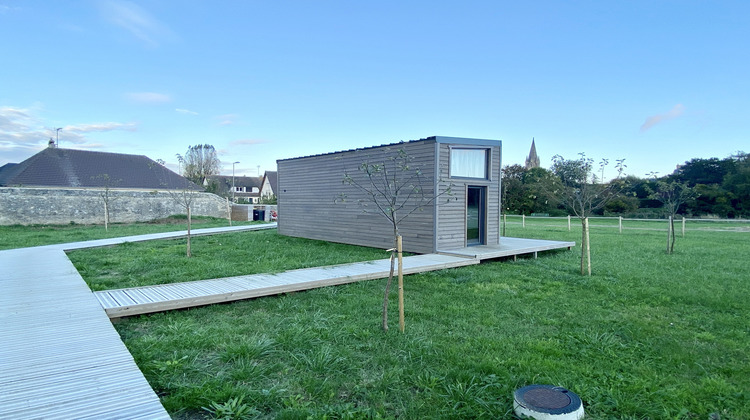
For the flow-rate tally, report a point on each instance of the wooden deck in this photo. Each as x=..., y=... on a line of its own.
x=147, y=299
x=60, y=357
x=509, y=247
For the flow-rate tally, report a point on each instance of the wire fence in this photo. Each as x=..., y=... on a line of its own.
x=682, y=224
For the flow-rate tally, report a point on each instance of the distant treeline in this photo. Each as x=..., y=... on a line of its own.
x=721, y=186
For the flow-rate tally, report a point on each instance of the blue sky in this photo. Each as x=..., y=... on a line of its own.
x=654, y=82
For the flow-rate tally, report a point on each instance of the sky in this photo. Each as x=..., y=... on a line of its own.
x=656, y=83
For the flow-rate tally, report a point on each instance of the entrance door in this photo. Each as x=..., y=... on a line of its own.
x=475, y=215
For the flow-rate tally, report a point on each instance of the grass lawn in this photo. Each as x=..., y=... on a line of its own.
x=649, y=335
x=19, y=236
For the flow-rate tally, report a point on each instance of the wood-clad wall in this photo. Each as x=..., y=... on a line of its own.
x=315, y=202
x=451, y=213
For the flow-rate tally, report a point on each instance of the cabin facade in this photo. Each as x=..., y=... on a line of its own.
x=452, y=187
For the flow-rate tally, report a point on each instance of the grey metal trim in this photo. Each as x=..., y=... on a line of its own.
x=468, y=141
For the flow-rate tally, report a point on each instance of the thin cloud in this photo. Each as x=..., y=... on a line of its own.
x=227, y=119
x=99, y=127
x=135, y=20
x=23, y=132
x=186, y=111
x=148, y=97
x=246, y=142
x=653, y=120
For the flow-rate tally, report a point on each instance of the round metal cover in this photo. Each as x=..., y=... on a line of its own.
x=547, y=402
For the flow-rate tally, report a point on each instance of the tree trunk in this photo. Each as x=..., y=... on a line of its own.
x=674, y=235
x=189, y=254
x=669, y=233
x=401, y=324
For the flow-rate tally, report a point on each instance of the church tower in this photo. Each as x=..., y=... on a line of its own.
x=532, y=161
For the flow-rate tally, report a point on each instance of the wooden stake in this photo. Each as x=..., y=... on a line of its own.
x=683, y=226
x=620, y=224
x=400, y=284
x=106, y=216
x=588, y=246
x=568, y=223
x=229, y=211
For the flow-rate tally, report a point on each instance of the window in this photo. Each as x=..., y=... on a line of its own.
x=469, y=163
x=239, y=189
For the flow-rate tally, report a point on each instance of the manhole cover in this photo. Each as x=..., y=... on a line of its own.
x=544, y=402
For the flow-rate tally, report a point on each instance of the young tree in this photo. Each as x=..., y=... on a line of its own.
x=185, y=197
x=106, y=194
x=672, y=195
x=583, y=198
x=199, y=162
x=396, y=189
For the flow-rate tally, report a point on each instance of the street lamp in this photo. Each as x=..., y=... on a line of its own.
x=233, y=163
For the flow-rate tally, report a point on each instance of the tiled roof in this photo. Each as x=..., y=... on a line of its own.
x=248, y=182
x=54, y=167
x=273, y=179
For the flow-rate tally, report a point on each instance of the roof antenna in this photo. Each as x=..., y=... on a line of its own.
x=57, y=130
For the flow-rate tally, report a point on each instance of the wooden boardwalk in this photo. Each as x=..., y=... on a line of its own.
x=509, y=247
x=147, y=299
x=60, y=357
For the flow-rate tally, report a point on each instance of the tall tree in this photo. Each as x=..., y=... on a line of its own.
x=581, y=197
x=396, y=189
x=199, y=162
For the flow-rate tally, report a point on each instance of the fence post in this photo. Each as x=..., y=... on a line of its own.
x=523, y=220
x=568, y=223
x=620, y=224
x=683, y=226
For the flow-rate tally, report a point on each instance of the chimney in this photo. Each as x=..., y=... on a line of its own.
x=51, y=143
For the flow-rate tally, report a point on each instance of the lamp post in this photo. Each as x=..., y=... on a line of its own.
x=233, y=163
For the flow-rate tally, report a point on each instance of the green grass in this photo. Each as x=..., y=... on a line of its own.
x=157, y=262
x=648, y=336
x=19, y=236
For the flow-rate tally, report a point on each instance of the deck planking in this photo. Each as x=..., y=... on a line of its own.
x=206, y=292
x=60, y=357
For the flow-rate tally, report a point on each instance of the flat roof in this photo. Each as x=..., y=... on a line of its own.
x=436, y=139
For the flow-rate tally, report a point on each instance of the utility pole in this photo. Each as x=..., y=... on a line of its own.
x=233, y=163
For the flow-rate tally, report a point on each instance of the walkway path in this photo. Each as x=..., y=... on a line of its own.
x=60, y=357
x=146, y=299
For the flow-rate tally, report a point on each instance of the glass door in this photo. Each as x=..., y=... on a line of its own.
x=475, y=215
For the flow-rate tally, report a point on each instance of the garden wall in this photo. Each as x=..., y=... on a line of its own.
x=28, y=206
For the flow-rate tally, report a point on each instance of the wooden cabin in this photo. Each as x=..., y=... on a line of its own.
x=452, y=188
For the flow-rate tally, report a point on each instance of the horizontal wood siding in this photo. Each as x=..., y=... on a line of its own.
x=315, y=203
x=451, y=213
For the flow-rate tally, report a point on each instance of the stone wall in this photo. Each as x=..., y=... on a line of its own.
x=26, y=206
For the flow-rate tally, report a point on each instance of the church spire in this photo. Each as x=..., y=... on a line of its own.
x=532, y=161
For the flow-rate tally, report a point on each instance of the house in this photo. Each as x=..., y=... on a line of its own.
x=70, y=168
x=270, y=185
x=242, y=189
x=454, y=203
x=61, y=186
